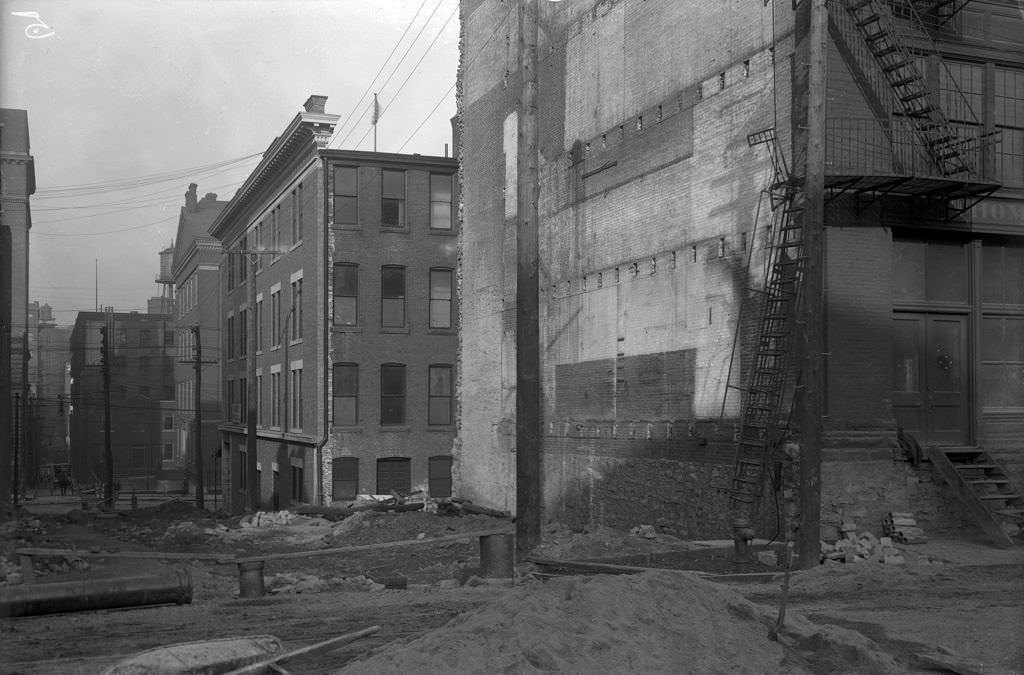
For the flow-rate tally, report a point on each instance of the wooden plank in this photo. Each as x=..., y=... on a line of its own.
x=318, y=648
x=603, y=568
x=369, y=547
x=149, y=555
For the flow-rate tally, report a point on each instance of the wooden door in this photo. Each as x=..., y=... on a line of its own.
x=930, y=377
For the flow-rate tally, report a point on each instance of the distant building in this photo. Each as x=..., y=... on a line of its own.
x=141, y=349
x=194, y=271
x=47, y=437
x=16, y=187
x=344, y=263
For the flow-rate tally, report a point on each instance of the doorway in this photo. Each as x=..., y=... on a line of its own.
x=930, y=377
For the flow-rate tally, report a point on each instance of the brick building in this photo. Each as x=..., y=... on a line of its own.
x=195, y=275
x=675, y=159
x=141, y=350
x=346, y=260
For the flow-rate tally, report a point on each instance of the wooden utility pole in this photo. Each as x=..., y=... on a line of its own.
x=528, y=462
x=6, y=449
x=17, y=442
x=108, y=453
x=813, y=334
x=198, y=446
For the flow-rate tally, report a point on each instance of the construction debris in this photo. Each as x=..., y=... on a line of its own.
x=206, y=656
x=903, y=529
x=854, y=547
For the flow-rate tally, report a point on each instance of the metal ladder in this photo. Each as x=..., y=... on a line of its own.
x=763, y=398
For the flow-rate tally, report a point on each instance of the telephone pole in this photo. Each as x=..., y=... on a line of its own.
x=108, y=453
x=17, y=441
x=198, y=363
x=528, y=464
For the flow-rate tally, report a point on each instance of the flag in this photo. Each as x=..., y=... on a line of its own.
x=376, y=111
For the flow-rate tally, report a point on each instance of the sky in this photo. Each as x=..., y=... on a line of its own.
x=129, y=101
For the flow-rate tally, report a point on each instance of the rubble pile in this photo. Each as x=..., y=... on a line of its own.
x=853, y=547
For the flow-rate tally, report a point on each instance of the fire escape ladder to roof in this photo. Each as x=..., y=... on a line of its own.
x=767, y=395
x=953, y=151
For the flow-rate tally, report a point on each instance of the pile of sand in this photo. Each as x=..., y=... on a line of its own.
x=655, y=622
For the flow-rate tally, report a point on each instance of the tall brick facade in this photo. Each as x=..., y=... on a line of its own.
x=352, y=255
x=652, y=244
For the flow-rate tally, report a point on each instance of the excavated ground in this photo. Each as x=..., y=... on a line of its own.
x=955, y=601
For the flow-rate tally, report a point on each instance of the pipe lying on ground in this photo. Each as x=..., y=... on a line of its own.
x=76, y=596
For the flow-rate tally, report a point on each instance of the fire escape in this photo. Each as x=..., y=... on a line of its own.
x=921, y=142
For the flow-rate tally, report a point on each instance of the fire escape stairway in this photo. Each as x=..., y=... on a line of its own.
x=951, y=153
x=764, y=396
x=983, y=487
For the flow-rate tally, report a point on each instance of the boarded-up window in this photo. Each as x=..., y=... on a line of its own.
x=345, y=477
x=439, y=476
x=394, y=474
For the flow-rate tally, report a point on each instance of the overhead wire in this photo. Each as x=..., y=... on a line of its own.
x=379, y=71
x=412, y=72
x=394, y=70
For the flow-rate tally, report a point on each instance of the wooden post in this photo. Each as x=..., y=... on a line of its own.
x=528, y=474
x=812, y=335
x=200, y=485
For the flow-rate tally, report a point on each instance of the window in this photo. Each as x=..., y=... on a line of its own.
x=144, y=362
x=297, y=481
x=345, y=196
x=299, y=229
x=296, y=230
x=439, y=476
x=243, y=332
x=168, y=451
x=275, y=399
x=259, y=399
x=296, y=309
x=259, y=324
x=346, y=294
x=392, y=393
x=440, y=201
x=1002, y=328
x=168, y=422
x=394, y=474
x=275, y=230
x=258, y=235
x=392, y=202
x=1009, y=119
x=229, y=271
x=231, y=336
x=439, y=395
x=295, y=413
x=440, y=298
x=243, y=470
x=243, y=400
x=346, y=394
x=345, y=478
x=275, y=318
x=929, y=271
x=230, y=391
x=145, y=338
x=168, y=338
x=243, y=268
x=392, y=301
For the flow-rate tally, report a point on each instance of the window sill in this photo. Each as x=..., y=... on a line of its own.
x=442, y=331
x=395, y=229
x=396, y=429
x=295, y=246
x=442, y=233
x=443, y=428
x=295, y=342
x=394, y=331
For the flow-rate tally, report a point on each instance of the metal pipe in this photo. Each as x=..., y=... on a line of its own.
x=496, y=556
x=77, y=596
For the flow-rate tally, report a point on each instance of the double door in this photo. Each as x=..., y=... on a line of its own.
x=930, y=377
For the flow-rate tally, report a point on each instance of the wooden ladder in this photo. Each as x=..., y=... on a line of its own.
x=982, y=485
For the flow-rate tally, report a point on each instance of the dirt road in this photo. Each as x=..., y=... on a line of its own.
x=958, y=596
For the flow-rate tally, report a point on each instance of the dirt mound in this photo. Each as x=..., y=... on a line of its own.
x=655, y=622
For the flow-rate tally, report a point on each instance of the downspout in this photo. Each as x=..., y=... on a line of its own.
x=326, y=333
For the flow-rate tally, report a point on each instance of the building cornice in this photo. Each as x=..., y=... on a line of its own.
x=307, y=131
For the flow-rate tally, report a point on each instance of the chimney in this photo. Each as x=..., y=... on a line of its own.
x=190, y=199
x=315, y=104
x=209, y=197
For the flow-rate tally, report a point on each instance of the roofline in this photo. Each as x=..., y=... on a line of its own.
x=280, y=150
x=370, y=157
